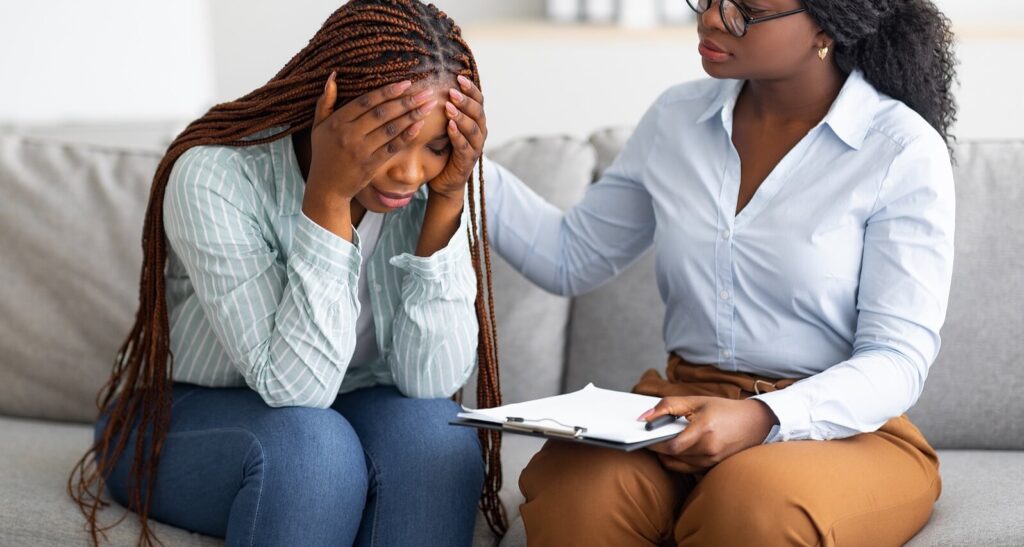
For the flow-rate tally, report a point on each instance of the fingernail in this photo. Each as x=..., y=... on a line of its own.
x=453, y=126
x=456, y=95
x=452, y=111
x=464, y=82
x=402, y=86
x=644, y=415
x=414, y=129
x=428, y=108
x=330, y=79
x=423, y=95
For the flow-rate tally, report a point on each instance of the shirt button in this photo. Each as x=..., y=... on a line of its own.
x=724, y=295
x=726, y=353
x=726, y=234
x=376, y=287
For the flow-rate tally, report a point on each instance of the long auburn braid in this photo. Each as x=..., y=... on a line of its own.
x=370, y=43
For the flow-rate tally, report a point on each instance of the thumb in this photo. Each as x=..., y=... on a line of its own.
x=325, y=104
x=676, y=406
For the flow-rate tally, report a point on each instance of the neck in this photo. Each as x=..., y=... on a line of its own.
x=303, y=146
x=803, y=98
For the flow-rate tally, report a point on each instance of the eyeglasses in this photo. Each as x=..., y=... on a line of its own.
x=736, y=19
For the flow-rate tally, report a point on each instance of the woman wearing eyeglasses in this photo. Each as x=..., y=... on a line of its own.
x=801, y=207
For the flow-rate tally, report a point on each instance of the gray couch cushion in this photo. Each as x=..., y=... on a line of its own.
x=982, y=502
x=35, y=508
x=70, y=233
x=532, y=324
x=972, y=398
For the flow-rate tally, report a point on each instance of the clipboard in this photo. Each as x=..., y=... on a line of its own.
x=546, y=432
x=591, y=416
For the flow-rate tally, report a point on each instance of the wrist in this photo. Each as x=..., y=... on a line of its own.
x=453, y=199
x=765, y=417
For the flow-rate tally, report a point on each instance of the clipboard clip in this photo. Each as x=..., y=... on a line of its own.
x=560, y=429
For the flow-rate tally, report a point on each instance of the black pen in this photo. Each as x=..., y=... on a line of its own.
x=660, y=421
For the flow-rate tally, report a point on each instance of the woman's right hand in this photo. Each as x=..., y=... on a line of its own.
x=350, y=144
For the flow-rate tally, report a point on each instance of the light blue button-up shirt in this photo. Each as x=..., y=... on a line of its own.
x=837, y=271
x=260, y=295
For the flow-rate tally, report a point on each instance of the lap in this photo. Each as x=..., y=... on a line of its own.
x=875, y=488
x=394, y=428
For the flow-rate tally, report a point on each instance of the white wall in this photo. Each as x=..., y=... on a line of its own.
x=153, y=60
x=113, y=60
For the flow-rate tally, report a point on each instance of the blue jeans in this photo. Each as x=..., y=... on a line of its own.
x=375, y=469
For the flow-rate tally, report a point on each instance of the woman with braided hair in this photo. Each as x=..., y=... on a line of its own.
x=801, y=209
x=315, y=290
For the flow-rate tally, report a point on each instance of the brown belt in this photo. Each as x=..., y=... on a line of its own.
x=688, y=379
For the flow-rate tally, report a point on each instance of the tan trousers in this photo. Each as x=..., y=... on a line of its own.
x=874, y=489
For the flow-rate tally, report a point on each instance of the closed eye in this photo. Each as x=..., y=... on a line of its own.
x=440, y=147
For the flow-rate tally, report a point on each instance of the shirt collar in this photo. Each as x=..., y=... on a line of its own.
x=850, y=117
x=854, y=110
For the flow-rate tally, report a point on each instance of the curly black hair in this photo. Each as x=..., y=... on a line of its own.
x=903, y=47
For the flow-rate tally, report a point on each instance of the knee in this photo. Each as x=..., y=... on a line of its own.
x=309, y=449
x=450, y=455
x=740, y=501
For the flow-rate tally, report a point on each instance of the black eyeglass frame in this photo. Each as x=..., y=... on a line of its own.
x=748, y=20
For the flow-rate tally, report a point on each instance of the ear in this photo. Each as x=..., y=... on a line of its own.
x=821, y=38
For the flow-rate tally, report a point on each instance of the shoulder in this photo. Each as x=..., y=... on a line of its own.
x=207, y=178
x=904, y=130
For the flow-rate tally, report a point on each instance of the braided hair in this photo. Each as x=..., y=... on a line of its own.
x=370, y=43
x=903, y=47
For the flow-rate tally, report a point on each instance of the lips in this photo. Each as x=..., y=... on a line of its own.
x=712, y=52
x=393, y=200
x=713, y=46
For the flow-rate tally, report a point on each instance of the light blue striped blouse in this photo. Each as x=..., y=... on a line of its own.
x=260, y=295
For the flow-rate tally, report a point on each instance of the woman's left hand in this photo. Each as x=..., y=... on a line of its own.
x=467, y=130
x=718, y=429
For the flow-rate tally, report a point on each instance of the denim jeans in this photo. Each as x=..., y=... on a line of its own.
x=375, y=469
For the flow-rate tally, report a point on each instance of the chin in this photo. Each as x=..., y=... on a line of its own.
x=719, y=71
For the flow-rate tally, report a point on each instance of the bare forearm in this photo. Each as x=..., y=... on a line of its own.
x=440, y=222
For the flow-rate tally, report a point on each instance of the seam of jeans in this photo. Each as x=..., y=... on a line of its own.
x=259, y=493
x=377, y=492
x=263, y=457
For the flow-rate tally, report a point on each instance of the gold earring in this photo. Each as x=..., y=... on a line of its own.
x=823, y=52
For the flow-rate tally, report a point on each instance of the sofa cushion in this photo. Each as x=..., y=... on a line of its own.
x=70, y=231
x=35, y=508
x=532, y=324
x=972, y=396
x=981, y=502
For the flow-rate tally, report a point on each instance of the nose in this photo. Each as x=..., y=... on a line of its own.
x=712, y=17
x=406, y=169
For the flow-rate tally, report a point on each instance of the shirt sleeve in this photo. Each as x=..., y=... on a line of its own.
x=434, y=335
x=902, y=300
x=288, y=328
x=575, y=252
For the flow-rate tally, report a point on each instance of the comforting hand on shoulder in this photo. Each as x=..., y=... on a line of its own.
x=718, y=429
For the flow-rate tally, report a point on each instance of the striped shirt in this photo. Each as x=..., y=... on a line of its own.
x=260, y=295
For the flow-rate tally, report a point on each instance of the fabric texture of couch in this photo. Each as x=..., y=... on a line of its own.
x=69, y=234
